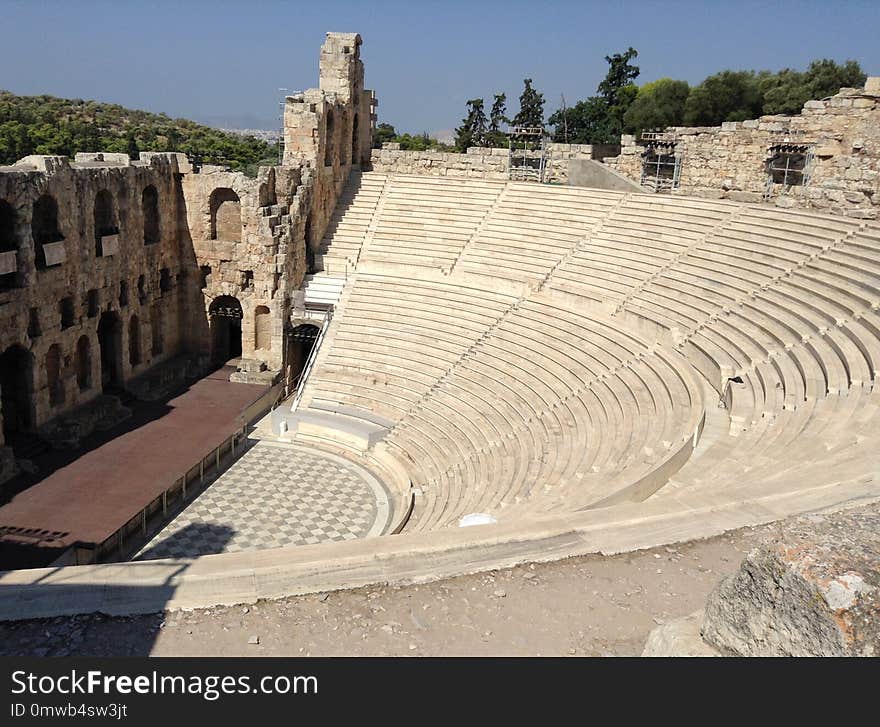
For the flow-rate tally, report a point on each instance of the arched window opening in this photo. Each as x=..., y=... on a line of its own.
x=16, y=370
x=329, y=139
x=134, y=341
x=150, y=206
x=84, y=363
x=8, y=247
x=46, y=233
x=262, y=329
x=225, y=215
x=105, y=222
x=110, y=342
x=355, y=159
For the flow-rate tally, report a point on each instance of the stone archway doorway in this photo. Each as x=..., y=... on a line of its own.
x=16, y=371
x=226, y=314
x=110, y=343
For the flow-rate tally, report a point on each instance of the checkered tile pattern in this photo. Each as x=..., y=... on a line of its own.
x=271, y=497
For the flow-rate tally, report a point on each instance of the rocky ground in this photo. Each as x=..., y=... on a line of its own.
x=588, y=606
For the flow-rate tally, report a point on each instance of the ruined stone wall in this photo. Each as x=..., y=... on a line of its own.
x=141, y=249
x=241, y=236
x=478, y=162
x=730, y=161
x=58, y=293
x=328, y=129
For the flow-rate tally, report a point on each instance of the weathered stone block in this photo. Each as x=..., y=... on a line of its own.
x=814, y=590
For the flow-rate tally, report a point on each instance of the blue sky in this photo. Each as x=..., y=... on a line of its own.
x=223, y=61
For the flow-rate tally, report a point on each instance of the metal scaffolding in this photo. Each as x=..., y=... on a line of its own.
x=527, y=153
x=661, y=163
x=788, y=165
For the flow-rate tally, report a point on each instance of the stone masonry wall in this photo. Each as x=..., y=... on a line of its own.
x=479, y=162
x=46, y=310
x=248, y=262
x=730, y=161
x=328, y=129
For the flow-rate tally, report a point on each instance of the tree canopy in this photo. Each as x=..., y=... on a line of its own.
x=730, y=95
x=658, y=104
x=531, y=107
x=50, y=125
x=474, y=127
x=600, y=118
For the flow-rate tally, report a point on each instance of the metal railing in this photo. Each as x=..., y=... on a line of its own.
x=313, y=354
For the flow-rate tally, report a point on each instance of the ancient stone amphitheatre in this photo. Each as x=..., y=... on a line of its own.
x=577, y=368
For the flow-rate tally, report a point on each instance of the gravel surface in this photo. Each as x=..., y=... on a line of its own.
x=587, y=606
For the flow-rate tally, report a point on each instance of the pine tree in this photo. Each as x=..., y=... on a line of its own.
x=498, y=115
x=531, y=107
x=472, y=131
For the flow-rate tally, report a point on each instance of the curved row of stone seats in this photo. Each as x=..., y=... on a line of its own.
x=607, y=440
x=427, y=221
x=831, y=442
x=634, y=243
x=399, y=336
x=347, y=229
x=529, y=231
x=519, y=413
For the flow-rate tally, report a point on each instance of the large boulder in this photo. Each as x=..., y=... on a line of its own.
x=813, y=590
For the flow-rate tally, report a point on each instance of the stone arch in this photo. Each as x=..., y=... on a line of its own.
x=134, y=341
x=8, y=245
x=226, y=314
x=110, y=343
x=105, y=218
x=262, y=328
x=301, y=341
x=355, y=131
x=53, y=375
x=225, y=215
x=84, y=363
x=44, y=228
x=329, y=138
x=8, y=220
x=16, y=381
x=268, y=195
x=150, y=208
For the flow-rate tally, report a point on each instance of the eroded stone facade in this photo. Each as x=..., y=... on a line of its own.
x=118, y=274
x=842, y=134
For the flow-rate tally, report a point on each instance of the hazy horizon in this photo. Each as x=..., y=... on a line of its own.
x=223, y=63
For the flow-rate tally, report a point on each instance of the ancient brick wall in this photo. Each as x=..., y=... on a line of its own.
x=842, y=132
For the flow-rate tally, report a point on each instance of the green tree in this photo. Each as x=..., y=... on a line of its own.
x=382, y=134
x=498, y=118
x=531, y=107
x=786, y=92
x=472, y=131
x=658, y=104
x=600, y=118
x=725, y=96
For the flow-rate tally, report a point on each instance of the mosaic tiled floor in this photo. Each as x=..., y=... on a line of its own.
x=275, y=495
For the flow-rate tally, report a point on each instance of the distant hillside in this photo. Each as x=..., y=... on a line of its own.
x=50, y=125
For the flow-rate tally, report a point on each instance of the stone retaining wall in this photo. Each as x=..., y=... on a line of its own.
x=478, y=162
x=729, y=161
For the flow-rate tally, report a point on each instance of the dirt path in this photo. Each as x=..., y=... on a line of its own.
x=588, y=606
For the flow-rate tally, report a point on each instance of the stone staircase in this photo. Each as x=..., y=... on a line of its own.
x=323, y=289
x=344, y=237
